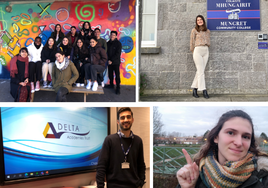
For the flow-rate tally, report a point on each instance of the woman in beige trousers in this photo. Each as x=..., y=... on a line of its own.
x=200, y=41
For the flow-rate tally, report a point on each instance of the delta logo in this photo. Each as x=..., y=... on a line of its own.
x=65, y=128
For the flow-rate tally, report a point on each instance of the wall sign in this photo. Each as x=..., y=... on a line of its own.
x=262, y=45
x=233, y=14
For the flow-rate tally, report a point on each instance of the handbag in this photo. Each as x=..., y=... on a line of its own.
x=22, y=94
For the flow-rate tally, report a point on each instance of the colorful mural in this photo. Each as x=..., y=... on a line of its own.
x=19, y=27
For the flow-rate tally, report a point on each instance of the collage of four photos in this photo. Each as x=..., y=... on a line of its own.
x=133, y=94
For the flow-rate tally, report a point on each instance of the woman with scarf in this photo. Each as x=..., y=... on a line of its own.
x=57, y=34
x=64, y=74
x=19, y=73
x=66, y=47
x=97, y=58
x=48, y=59
x=35, y=63
x=230, y=158
x=85, y=33
x=79, y=59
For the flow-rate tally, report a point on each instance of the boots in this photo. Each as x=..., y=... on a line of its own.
x=195, y=93
x=205, y=94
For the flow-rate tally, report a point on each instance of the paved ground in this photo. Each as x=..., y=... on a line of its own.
x=127, y=95
x=213, y=98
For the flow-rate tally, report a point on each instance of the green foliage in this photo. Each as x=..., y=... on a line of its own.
x=143, y=83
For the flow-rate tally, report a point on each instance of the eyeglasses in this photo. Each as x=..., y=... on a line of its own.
x=123, y=117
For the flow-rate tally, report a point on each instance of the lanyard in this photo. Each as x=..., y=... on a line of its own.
x=125, y=153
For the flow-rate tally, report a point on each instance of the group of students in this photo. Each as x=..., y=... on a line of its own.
x=68, y=59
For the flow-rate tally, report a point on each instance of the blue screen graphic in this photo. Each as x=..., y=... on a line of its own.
x=42, y=140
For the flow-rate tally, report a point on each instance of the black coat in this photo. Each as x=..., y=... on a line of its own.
x=14, y=82
x=114, y=49
x=48, y=54
x=69, y=35
x=97, y=55
x=80, y=55
x=256, y=180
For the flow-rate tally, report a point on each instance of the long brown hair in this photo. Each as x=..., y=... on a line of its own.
x=197, y=27
x=210, y=144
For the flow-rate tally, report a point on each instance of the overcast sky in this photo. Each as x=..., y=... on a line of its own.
x=190, y=120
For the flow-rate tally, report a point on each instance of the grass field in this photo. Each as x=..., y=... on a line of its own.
x=169, y=159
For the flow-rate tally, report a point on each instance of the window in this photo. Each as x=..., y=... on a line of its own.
x=149, y=23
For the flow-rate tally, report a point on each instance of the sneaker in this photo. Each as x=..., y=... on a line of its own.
x=37, y=86
x=78, y=84
x=82, y=84
x=50, y=85
x=88, y=84
x=32, y=87
x=95, y=86
x=44, y=84
x=102, y=84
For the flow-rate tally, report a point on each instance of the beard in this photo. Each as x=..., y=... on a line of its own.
x=125, y=126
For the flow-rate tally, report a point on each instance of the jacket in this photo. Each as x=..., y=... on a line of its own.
x=48, y=54
x=258, y=178
x=97, y=55
x=64, y=77
x=114, y=49
x=70, y=38
x=61, y=35
x=34, y=53
x=103, y=44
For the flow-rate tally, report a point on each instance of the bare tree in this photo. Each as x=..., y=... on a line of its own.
x=158, y=124
x=263, y=136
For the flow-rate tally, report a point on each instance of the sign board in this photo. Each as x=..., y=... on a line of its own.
x=233, y=15
x=262, y=45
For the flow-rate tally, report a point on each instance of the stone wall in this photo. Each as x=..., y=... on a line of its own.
x=236, y=65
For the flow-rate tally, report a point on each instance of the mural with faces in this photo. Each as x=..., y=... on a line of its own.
x=26, y=21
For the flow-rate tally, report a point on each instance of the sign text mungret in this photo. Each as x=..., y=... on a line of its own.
x=233, y=14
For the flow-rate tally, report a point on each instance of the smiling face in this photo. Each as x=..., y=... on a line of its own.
x=199, y=21
x=50, y=42
x=23, y=53
x=234, y=139
x=58, y=28
x=93, y=43
x=79, y=43
x=125, y=120
x=37, y=41
x=86, y=26
x=73, y=31
x=113, y=36
x=65, y=41
x=97, y=33
x=59, y=57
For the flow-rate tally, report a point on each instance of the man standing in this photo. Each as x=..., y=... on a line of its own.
x=114, y=52
x=121, y=159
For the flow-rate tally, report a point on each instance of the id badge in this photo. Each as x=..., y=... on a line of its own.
x=125, y=165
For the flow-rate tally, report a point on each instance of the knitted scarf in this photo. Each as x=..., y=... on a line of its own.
x=230, y=174
x=14, y=68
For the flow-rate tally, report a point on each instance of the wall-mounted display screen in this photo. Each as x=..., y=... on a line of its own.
x=46, y=141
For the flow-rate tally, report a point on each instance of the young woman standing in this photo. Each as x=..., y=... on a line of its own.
x=200, y=41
